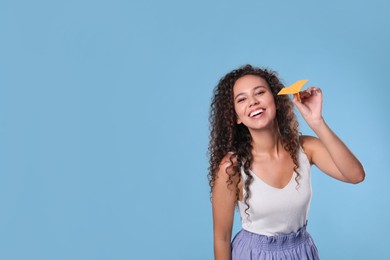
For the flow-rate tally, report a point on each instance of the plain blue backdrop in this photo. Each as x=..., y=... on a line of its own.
x=104, y=120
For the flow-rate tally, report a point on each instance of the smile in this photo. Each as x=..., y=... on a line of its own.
x=256, y=112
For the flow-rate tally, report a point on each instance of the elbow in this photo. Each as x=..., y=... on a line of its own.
x=358, y=180
x=363, y=176
x=359, y=177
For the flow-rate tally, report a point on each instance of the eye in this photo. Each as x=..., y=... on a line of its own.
x=260, y=93
x=240, y=100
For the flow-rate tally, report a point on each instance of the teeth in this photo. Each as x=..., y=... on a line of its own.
x=255, y=113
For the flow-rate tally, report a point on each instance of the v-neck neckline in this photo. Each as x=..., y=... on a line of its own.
x=269, y=185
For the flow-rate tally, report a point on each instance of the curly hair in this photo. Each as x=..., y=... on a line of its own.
x=226, y=136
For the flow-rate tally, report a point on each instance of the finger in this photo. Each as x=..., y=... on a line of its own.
x=306, y=93
x=301, y=107
x=314, y=89
x=310, y=91
x=297, y=102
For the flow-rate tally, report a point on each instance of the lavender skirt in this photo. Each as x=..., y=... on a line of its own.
x=250, y=246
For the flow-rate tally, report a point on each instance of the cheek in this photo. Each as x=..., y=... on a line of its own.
x=276, y=105
x=238, y=110
x=272, y=100
x=235, y=108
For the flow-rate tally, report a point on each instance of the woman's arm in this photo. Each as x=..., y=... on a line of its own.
x=223, y=202
x=327, y=151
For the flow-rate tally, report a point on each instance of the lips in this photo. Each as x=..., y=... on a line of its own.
x=256, y=112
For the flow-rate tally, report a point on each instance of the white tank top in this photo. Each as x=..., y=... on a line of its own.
x=276, y=211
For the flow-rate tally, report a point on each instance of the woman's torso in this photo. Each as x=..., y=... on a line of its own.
x=273, y=210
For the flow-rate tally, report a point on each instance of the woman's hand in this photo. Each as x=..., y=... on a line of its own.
x=310, y=106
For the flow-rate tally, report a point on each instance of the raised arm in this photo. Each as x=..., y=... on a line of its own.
x=223, y=202
x=327, y=151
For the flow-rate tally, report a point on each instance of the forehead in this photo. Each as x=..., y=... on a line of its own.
x=248, y=82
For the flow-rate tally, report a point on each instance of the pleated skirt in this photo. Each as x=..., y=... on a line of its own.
x=294, y=246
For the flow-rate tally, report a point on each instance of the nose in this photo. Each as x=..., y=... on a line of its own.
x=253, y=101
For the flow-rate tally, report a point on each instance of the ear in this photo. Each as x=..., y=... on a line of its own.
x=239, y=121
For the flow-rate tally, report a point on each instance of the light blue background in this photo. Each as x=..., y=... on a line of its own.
x=104, y=120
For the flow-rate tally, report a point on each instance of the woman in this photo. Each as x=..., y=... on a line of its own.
x=259, y=162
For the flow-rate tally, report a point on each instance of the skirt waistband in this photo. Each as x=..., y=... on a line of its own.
x=284, y=241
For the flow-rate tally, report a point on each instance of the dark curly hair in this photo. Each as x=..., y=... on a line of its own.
x=226, y=136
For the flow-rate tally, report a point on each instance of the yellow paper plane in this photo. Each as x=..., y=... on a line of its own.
x=294, y=88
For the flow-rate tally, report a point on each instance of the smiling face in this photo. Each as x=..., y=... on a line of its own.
x=254, y=103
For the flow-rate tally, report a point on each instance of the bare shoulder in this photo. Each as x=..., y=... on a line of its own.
x=226, y=167
x=309, y=145
x=229, y=159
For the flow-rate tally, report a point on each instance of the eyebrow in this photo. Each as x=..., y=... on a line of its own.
x=255, y=88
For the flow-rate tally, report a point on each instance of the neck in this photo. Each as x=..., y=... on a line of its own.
x=266, y=142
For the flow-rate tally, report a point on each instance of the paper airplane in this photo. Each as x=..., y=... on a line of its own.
x=294, y=88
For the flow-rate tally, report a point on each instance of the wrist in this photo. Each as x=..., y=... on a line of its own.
x=317, y=124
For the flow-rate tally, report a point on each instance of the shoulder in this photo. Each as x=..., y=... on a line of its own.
x=309, y=145
x=225, y=168
x=229, y=158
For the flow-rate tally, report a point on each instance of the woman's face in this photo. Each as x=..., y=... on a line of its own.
x=253, y=102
